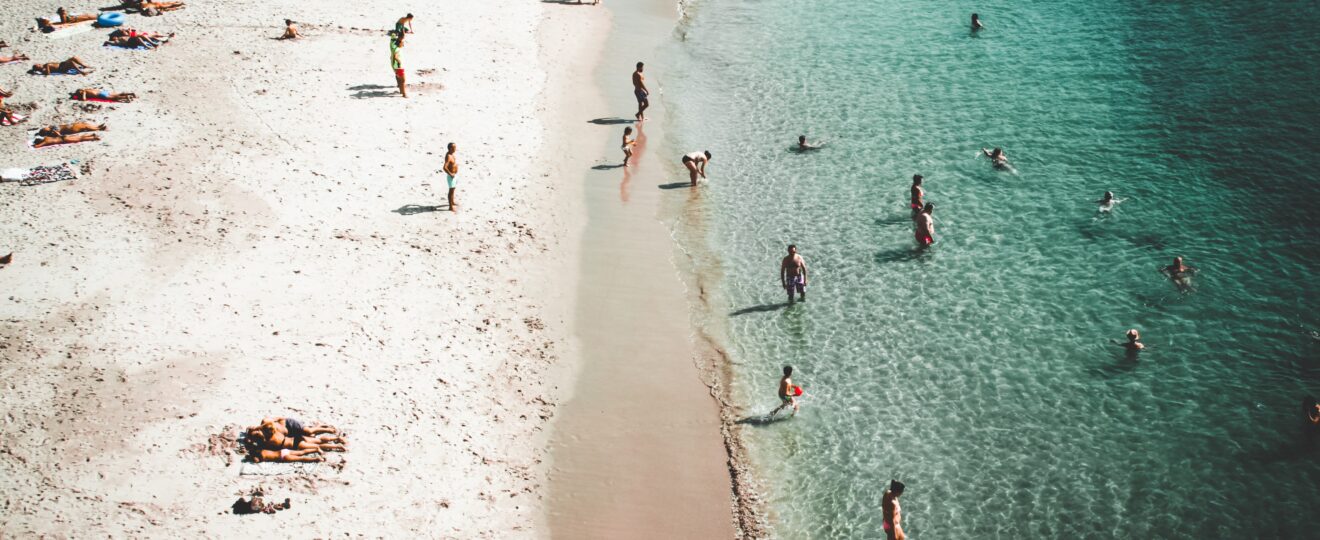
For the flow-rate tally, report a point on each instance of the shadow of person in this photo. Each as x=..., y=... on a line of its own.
x=410, y=209
x=611, y=121
x=370, y=87
x=760, y=309
x=675, y=185
x=763, y=419
x=606, y=166
x=898, y=255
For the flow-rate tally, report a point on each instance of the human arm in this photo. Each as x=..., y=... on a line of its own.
x=703, y=167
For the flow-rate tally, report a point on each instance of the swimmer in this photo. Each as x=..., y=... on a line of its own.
x=1133, y=343
x=803, y=146
x=1108, y=202
x=793, y=274
x=997, y=157
x=642, y=94
x=891, y=512
x=1180, y=274
x=918, y=195
x=976, y=22
x=925, y=226
x=1311, y=410
x=696, y=164
x=627, y=145
x=786, y=391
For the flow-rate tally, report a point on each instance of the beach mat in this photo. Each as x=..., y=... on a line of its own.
x=43, y=174
x=267, y=468
x=6, y=122
x=71, y=30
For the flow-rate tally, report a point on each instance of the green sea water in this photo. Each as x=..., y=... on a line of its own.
x=981, y=372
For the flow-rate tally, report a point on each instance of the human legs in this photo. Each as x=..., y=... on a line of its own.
x=399, y=80
x=453, y=184
x=692, y=170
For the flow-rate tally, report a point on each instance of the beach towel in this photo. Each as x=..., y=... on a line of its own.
x=62, y=31
x=41, y=174
x=267, y=468
x=96, y=99
x=69, y=72
x=162, y=41
x=5, y=121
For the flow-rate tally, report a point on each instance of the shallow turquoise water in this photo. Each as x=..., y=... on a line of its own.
x=980, y=372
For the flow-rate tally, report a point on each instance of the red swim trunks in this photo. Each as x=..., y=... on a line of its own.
x=924, y=239
x=398, y=73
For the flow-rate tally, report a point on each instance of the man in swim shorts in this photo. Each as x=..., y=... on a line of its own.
x=640, y=92
x=793, y=274
x=918, y=195
x=396, y=61
x=451, y=173
x=786, y=393
x=925, y=226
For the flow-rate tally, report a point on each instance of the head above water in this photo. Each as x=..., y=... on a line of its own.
x=930, y=207
x=1177, y=261
x=802, y=139
x=976, y=17
x=997, y=151
x=916, y=179
x=1133, y=335
x=1109, y=195
x=896, y=487
x=788, y=370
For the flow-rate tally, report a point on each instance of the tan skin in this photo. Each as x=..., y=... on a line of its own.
x=290, y=31
x=639, y=84
x=70, y=129
x=290, y=456
x=70, y=18
x=451, y=168
x=65, y=139
x=84, y=94
x=893, y=514
x=696, y=166
x=72, y=64
x=158, y=6
x=15, y=58
x=790, y=268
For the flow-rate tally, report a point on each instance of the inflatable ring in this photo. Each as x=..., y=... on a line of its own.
x=107, y=20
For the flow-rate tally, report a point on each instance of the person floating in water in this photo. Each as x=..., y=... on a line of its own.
x=1180, y=274
x=918, y=195
x=804, y=146
x=976, y=22
x=997, y=157
x=1133, y=343
x=786, y=393
x=925, y=226
x=892, y=513
x=793, y=274
x=1108, y=202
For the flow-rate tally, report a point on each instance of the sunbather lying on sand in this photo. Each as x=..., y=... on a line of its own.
x=129, y=32
x=88, y=94
x=138, y=40
x=284, y=456
x=73, y=65
x=70, y=129
x=161, y=7
x=290, y=433
x=14, y=58
x=65, y=139
x=69, y=18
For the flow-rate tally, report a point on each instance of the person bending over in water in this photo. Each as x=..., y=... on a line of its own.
x=804, y=146
x=87, y=94
x=73, y=66
x=290, y=30
x=786, y=393
x=1180, y=274
x=918, y=195
x=925, y=229
x=628, y=143
x=70, y=129
x=976, y=22
x=1108, y=202
x=696, y=164
x=997, y=157
x=892, y=513
x=65, y=139
x=15, y=58
x=793, y=274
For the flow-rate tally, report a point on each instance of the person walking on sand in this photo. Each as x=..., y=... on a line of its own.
x=918, y=195
x=640, y=92
x=396, y=61
x=696, y=164
x=793, y=274
x=925, y=228
x=892, y=519
x=786, y=393
x=628, y=144
x=451, y=174
x=404, y=26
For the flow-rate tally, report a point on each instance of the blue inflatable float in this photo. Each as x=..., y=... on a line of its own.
x=110, y=19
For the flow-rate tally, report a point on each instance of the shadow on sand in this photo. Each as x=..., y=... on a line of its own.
x=606, y=167
x=363, y=91
x=410, y=209
x=611, y=121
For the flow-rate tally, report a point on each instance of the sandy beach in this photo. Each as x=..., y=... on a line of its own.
x=263, y=233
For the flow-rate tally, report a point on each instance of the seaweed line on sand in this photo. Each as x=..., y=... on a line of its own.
x=748, y=507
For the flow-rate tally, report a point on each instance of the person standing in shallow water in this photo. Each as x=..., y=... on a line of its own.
x=640, y=91
x=892, y=513
x=925, y=226
x=786, y=393
x=976, y=22
x=918, y=195
x=451, y=173
x=793, y=274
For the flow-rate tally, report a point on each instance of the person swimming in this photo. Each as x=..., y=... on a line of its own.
x=1133, y=343
x=976, y=22
x=997, y=157
x=918, y=195
x=803, y=145
x=1108, y=202
x=1311, y=411
x=1180, y=274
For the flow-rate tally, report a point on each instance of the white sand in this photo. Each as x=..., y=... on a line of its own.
x=244, y=244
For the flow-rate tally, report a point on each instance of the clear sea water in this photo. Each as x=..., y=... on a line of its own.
x=981, y=372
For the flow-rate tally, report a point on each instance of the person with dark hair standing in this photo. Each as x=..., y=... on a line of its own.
x=976, y=22
x=396, y=62
x=640, y=91
x=451, y=172
x=786, y=393
x=893, y=515
x=793, y=274
x=925, y=226
x=918, y=195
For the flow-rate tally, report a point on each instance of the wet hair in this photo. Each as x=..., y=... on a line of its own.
x=1109, y=194
x=792, y=246
x=930, y=206
x=975, y=16
x=639, y=65
x=997, y=150
x=788, y=370
x=896, y=487
x=1133, y=334
x=802, y=138
x=627, y=130
x=916, y=178
x=707, y=154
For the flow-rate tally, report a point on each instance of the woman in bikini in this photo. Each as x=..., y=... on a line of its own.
x=696, y=164
x=89, y=94
x=70, y=129
x=73, y=65
x=893, y=515
x=14, y=58
x=918, y=195
x=42, y=142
